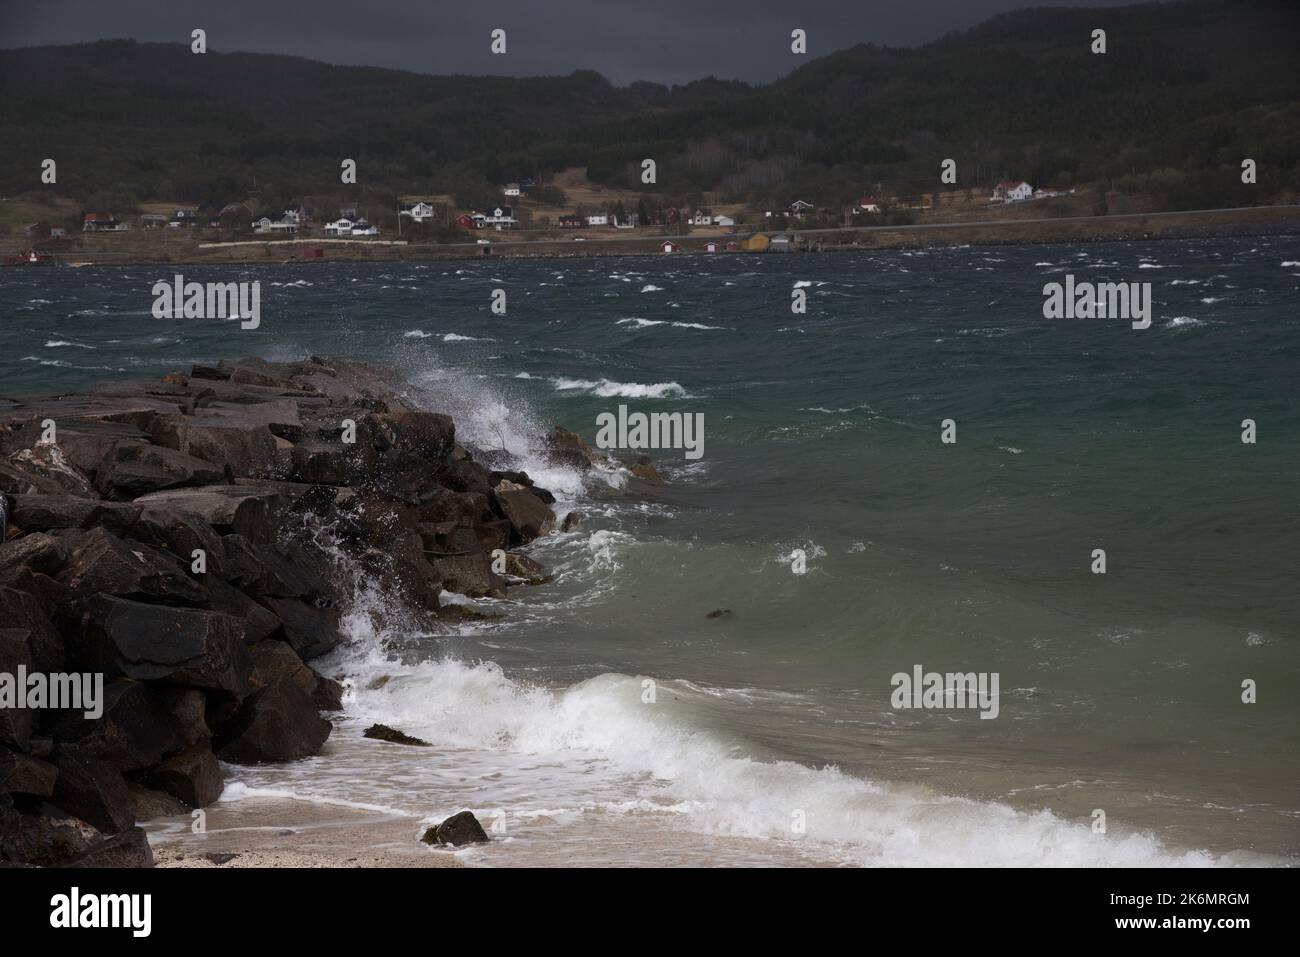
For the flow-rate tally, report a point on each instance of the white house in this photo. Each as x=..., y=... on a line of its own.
x=512, y=189
x=799, y=209
x=629, y=221
x=702, y=217
x=418, y=211
x=363, y=228
x=293, y=214
x=723, y=221
x=501, y=218
x=598, y=219
x=869, y=204
x=340, y=227
x=268, y=225
x=1012, y=191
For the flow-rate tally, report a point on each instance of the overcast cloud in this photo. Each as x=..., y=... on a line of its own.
x=669, y=41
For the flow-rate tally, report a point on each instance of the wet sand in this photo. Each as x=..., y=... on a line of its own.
x=281, y=832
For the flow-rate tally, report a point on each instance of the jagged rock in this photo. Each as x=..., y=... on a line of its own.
x=404, y=563
x=47, y=838
x=193, y=776
x=21, y=612
x=141, y=468
x=383, y=732
x=19, y=478
x=180, y=534
x=151, y=803
x=468, y=573
x=311, y=630
x=644, y=468
x=571, y=521
x=276, y=723
x=568, y=448
x=93, y=790
x=128, y=849
x=251, y=453
x=527, y=570
x=188, y=646
x=276, y=661
x=293, y=570
x=103, y=564
x=40, y=513
x=528, y=515
x=251, y=511
x=457, y=830
x=16, y=724
x=23, y=774
x=37, y=551
x=141, y=724
x=259, y=621
x=465, y=476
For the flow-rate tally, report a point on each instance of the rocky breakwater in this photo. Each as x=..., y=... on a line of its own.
x=190, y=543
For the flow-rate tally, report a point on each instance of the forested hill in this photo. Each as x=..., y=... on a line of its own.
x=1184, y=92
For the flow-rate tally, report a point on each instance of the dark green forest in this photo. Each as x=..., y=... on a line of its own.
x=1184, y=92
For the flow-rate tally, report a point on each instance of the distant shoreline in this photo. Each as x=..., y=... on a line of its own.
x=157, y=247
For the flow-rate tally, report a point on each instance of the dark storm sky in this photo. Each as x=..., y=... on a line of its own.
x=669, y=41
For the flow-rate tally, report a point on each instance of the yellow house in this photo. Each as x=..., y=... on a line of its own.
x=757, y=243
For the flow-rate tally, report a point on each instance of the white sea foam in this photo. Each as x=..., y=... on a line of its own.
x=596, y=745
x=608, y=388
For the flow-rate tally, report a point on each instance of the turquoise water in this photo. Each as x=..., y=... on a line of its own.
x=1119, y=692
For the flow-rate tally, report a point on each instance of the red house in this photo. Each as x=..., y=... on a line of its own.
x=96, y=221
x=669, y=246
x=464, y=221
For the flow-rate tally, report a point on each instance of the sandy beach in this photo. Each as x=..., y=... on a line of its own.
x=289, y=833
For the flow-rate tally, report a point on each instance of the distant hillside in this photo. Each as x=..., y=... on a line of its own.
x=1184, y=93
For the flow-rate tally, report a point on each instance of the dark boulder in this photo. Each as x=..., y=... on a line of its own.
x=528, y=515
x=47, y=838
x=93, y=790
x=382, y=732
x=276, y=723
x=457, y=830
x=141, y=468
x=23, y=774
x=40, y=513
x=251, y=511
x=180, y=534
x=128, y=849
x=193, y=776
x=186, y=646
x=23, y=619
x=103, y=564
x=310, y=628
x=37, y=551
x=275, y=661
x=141, y=724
